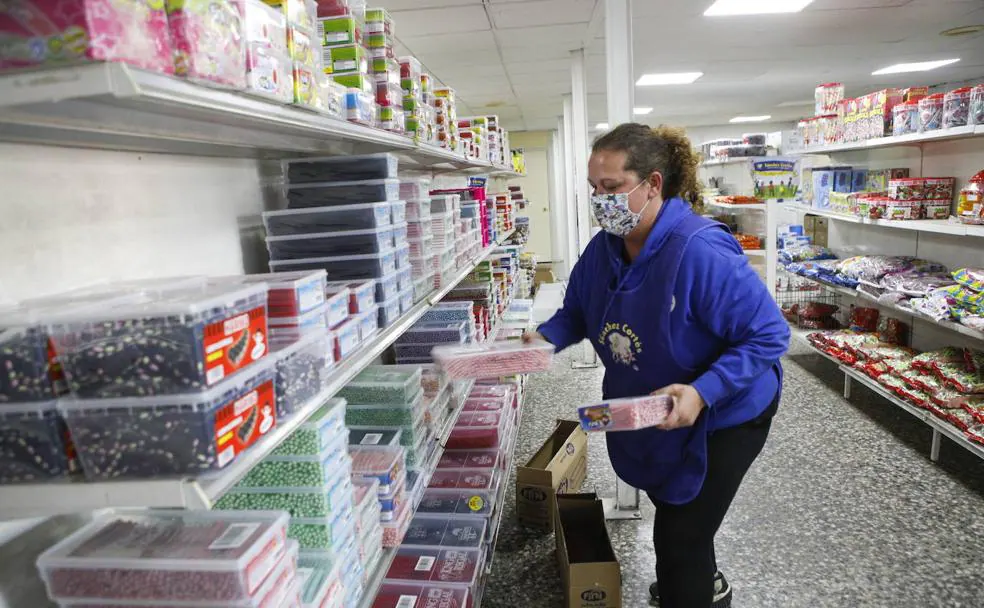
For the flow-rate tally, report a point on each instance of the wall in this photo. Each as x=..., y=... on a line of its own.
x=699, y=135
x=536, y=186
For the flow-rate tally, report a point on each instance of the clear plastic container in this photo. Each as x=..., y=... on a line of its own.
x=457, y=502
x=289, y=294
x=347, y=338
x=403, y=256
x=399, y=211
x=316, y=435
x=480, y=430
x=493, y=360
x=34, y=443
x=419, y=247
x=382, y=463
x=177, y=342
x=322, y=194
x=444, y=203
x=166, y=556
x=395, y=529
x=385, y=414
x=470, y=479
x=304, y=502
x=337, y=306
x=348, y=268
x=362, y=294
x=417, y=229
x=435, y=333
x=302, y=368
x=318, y=576
x=289, y=329
x=625, y=414
x=361, y=216
x=479, y=404
x=414, y=188
x=459, y=567
x=387, y=287
x=404, y=279
x=333, y=534
x=384, y=384
x=400, y=234
x=441, y=221
x=449, y=311
x=422, y=287
x=389, y=311
x=418, y=209
x=342, y=168
x=445, y=531
x=391, y=502
x=318, y=471
x=414, y=351
x=368, y=323
x=172, y=434
x=406, y=300
x=374, y=436
x=326, y=244
x=470, y=459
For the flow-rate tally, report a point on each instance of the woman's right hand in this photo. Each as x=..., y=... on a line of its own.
x=533, y=336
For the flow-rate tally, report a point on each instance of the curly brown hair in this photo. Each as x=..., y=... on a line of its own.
x=664, y=149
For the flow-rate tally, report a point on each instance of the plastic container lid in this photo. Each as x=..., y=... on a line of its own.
x=371, y=436
x=460, y=501
x=384, y=218
x=469, y=459
x=448, y=566
x=383, y=463
x=123, y=554
x=317, y=574
x=446, y=531
x=409, y=595
x=473, y=479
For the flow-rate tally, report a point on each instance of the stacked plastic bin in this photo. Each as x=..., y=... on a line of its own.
x=421, y=117
x=385, y=70
x=175, y=558
x=445, y=323
x=447, y=119
x=309, y=477
x=342, y=28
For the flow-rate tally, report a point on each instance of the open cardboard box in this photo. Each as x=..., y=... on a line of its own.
x=589, y=569
x=558, y=467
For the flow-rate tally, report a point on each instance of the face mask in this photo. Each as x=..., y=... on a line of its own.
x=613, y=213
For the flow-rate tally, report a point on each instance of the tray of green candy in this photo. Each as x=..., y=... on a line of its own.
x=306, y=502
x=323, y=533
x=381, y=384
x=277, y=471
x=385, y=414
x=320, y=580
x=320, y=431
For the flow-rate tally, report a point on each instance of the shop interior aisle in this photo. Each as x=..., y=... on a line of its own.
x=842, y=509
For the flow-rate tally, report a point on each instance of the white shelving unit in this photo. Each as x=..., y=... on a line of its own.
x=913, y=139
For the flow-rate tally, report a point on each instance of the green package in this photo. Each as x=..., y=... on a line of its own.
x=335, y=31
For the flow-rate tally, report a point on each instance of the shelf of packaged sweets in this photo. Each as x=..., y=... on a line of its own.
x=853, y=293
x=736, y=206
x=951, y=227
x=897, y=140
x=117, y=107
x=939, y=426
x=37, y=499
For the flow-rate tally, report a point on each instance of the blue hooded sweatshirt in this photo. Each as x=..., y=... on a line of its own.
x=688, y=310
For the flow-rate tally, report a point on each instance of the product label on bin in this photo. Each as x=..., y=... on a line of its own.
x=424, y=564
x=234, y=343
x=595, y=417
x=407, y=601
x=240, y=423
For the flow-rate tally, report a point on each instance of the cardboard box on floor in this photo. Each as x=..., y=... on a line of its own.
x=590, y=572
x=558, y=467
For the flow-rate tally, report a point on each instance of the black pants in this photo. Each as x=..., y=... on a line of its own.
x=684, y=534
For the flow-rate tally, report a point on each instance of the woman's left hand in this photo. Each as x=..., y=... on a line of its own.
x=687, y=404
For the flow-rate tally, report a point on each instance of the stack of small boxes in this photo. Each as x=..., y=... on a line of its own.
x=269, y=69
x=309, y=477
x=447, y=119
x=421, y=118
x=343, y=31
x=385, y=69
x=446, y=322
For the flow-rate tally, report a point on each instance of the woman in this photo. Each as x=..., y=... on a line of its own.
x=672, y=307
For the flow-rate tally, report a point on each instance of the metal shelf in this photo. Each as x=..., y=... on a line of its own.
x=744, y=207
x=950, y=227
x=913, y=139
x=116, y=107
x=34, y=500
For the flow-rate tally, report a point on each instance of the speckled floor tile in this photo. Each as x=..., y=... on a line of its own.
x=843, y=509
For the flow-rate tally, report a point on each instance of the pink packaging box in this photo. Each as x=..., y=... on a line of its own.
x=625, y=414
x=208, y=41
x=44, y=32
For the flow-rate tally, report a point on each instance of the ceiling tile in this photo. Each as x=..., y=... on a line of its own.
x=398, y=6
x=568, y=37
x=440, y=21
x=449, y=44
x=536, y=67
x=512, y=54
x=542, y=12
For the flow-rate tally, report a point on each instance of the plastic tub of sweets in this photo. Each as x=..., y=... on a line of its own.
x=449, y=311
x=470, y=459
x=342, y=168
x=406, y=300
x=368, y=323
x=493, y=360
x=419, y=228
x=172, y=434
x=303, y=470
x=387, y=286
x=395, y=530
x=414, y=351
x=399, y=212
x=471, y=479
x=414, y=188
x=411, y=595
x=400, y=233
x=301, y=369
x=403, y=255
x=374, y=436
x=362, y=294
x=385, y=414
x=35, y=443
x=326, y=194
x=446, y=531
x=383, y=384
x=330, y=534
x=480, y=404
x=382, y=463
x=166, y=557
x=318, y=434
x=445, y=203
x=419, y=247
x=457, y=502
x=418, y=209
x=360, y=216
x=422, y=287
x=434, y=333
x=347, y=338
x=318, y=576
x=344, y=242
x=389, y=311
x=346, y=267
x=289, y=329
x=391, y=501
x=177, y=342
x=307, y=502
x=625, y=414
x=458, y=567
x=479, y=430
x=404, y=279
x=289, y=294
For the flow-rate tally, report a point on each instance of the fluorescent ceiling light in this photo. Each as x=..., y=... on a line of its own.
x=601, y=126
x=762, y=118
x=642, y=111
x=723, y=8
x=919, y=66
x=652, y=80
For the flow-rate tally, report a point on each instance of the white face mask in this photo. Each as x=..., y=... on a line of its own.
x=613, y=213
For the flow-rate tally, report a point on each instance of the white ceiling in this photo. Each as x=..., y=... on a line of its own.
x=512, y=57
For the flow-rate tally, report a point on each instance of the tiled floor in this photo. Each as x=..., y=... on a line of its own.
x=842, y=510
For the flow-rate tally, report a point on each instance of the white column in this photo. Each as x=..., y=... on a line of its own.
x=621, y=100
x=579, y=131
x=570, y=187
x=558, y=202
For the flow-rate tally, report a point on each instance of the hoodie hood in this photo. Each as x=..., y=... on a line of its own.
x=670, y=215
